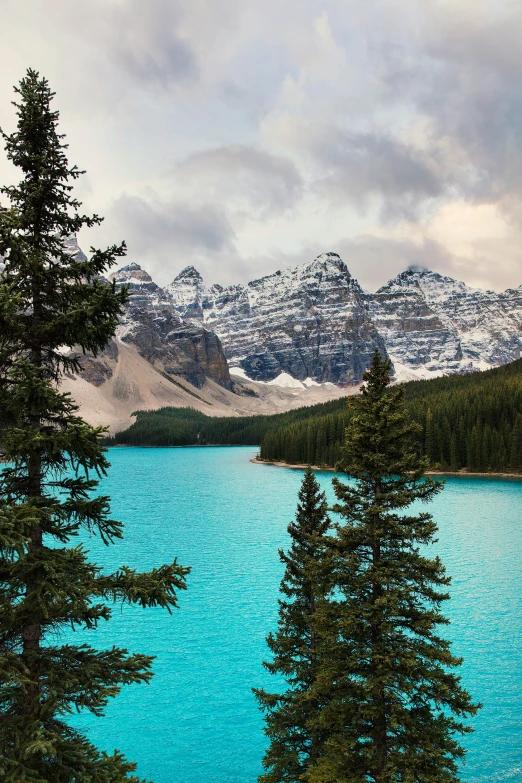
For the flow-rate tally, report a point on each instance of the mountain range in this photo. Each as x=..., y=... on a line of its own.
x=315, y=321
x=295, y=337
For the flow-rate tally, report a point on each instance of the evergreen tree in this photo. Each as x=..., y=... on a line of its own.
x=50, y=298
x=454, y=460
x=475, y=462
x=292, y=718
x=484, y=447
x=428, y=447
x=395, y=707
x=516, y=443
x=321, y=449
x=446, y=443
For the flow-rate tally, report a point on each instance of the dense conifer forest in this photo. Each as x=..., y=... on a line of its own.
x=471, y=422
x=188, y=427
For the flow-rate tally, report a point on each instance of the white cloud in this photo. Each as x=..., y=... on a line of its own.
x=242, y=136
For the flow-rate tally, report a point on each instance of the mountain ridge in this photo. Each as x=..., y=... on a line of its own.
x=429, y=324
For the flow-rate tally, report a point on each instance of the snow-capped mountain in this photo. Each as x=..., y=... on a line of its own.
x=157, y=359
x=315, y=321
x=432, y=324
x=152, y=324
x=311, y=321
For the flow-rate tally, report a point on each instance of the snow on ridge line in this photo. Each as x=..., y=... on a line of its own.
x=403, y=373
x=286, y=381
x=240, y=373
x=283, y=380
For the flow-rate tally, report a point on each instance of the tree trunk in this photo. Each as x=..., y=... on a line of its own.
x=313, y=660
x=32, y=632
x=379, y=728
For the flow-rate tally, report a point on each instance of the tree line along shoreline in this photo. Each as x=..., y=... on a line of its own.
x=332, y=469
x=467, y=424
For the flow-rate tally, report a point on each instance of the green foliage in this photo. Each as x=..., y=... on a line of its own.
x=395, y=708
x=378, y=702
x=293, y=718
x=188, y=427
x=52, y=460
x=466, y=422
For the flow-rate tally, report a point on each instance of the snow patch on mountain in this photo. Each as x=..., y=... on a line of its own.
x=286, y=381
x=403, y=373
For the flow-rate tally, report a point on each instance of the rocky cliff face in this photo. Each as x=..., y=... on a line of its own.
x=314, y=321
x=311, y=321
x=152, y=324
x=434, y=324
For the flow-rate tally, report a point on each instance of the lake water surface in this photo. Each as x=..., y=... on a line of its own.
x=226, y=518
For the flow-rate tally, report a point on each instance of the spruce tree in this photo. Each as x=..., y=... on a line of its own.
x=395, y=708
x=293, y=722
x=516, y=444
x=51, y=298
x=428, y=443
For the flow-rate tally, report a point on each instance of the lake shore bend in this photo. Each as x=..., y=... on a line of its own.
x=460, y=473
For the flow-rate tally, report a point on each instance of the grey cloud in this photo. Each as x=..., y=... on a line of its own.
x=450, y=69
x=248, y=180
x=421, y=106
x=479, y=105
x=105, y=46
x=463, y=73
x=358, y=166
x=371, y=259
x=147, y=43
x=374, y=260
x=163, y=233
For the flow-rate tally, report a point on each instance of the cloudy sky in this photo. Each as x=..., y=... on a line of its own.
x=244, y=136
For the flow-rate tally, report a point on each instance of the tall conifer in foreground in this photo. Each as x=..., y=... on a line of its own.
x=396, y=708
x=50, y=298
x=293, y=718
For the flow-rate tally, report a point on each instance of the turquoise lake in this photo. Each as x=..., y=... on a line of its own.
x=197, y=722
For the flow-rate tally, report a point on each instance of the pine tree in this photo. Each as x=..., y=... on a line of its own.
x=321, y=447
x=395, y=706
x=446, y=442
x=50, y=298
x=475, y=461
x=293, y=718
x=454, y=460
x=516, y=443
x=428, y=442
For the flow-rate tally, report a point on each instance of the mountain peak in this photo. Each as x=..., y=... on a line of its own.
x=188, y=273
x=328, y=256
x=417, y=269
x=419, y=276
x=131, y=273
x=330, y=259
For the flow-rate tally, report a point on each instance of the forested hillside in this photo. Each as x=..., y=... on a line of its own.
x=188, y=427
x=467, y=421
